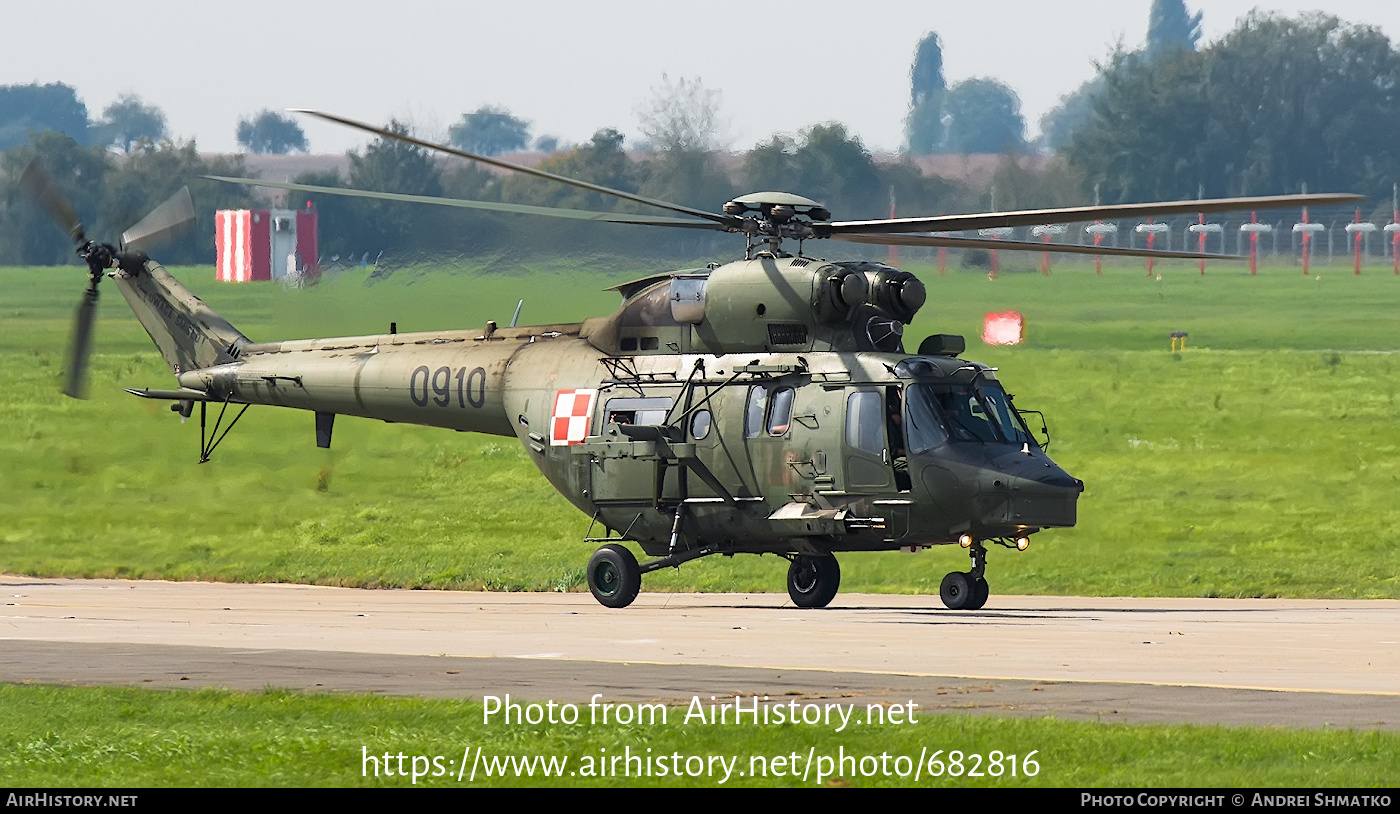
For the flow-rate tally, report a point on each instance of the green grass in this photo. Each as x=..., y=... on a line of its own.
x=1260, y=462
x=57, y=737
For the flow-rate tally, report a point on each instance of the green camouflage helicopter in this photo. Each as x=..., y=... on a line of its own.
x=764, y=405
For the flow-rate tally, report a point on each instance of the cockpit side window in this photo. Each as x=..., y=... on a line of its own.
x=923, y=421
x=980, y=413
x=1000, y=412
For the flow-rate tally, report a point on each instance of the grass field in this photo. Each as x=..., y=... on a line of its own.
x=68, y=737
x=1260, y=462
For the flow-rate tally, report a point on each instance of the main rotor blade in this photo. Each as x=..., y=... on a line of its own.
x=37, y=182
x=161, y=223
x=462, y=203
x=80, y=348
x=954, y=242
x=1036, y=217
x=728, y=221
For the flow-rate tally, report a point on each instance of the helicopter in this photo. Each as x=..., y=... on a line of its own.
x=765, y=405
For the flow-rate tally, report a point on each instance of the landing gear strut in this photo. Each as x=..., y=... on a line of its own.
x=967, y=590
x=812, y=581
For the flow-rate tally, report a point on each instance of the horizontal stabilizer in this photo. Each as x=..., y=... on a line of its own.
x=180, y=394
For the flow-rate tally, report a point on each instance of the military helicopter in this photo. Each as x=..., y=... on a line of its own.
x=761, y=406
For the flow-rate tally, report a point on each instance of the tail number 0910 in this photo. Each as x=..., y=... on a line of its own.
x=438, y=386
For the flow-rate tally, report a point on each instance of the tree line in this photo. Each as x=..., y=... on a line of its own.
x=1276, y=105
x=110, y=195
x=824, y=162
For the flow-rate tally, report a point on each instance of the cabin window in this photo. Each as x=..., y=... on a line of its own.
x=780, y=412
x=865, y=422
x=753, y=416
x=769, y=411
x=700, y=424
x=637, y=411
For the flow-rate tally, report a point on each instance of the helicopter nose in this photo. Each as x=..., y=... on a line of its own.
x=1047, y=497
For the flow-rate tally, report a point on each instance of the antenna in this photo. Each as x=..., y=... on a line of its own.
x=516, y=318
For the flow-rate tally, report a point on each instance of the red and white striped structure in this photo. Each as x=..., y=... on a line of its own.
x=265, y=244
x=233, y=243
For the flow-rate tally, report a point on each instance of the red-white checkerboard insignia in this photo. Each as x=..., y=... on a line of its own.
x=569, y=423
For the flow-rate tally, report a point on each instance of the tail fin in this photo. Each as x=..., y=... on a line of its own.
x=188, y=333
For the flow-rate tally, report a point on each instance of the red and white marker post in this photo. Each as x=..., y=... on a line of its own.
x=1203, y=231
x=1254, y=228
x=1359, y=231
x=1306, y=228
x=1099, y=229
x=1046, y=232
x=1152, y=230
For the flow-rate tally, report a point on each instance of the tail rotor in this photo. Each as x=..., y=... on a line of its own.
x=160, y=225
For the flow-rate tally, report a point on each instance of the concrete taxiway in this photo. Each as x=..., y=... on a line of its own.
x=1273, y=662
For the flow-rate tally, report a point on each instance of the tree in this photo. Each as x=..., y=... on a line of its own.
x=390, y=165
x=923, y=127
x=687, y=177
x=271, y=133
x=681, y=121
x=1141, y=142
x=27, y=234
x=127, y=121
x=600, y=161
x=986, y=117
x=828, y=165
x=683, y=115
x=111, y=197
x=1075, y=109
x=490, y=131
x=151, y=173
x=1170, y=26
x=1018, y=187
x=36, y=108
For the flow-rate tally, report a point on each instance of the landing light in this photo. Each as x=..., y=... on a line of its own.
x=965, y=541
x=1022, y=543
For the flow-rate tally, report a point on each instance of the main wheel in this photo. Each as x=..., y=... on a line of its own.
x=957, y=590
x=980, y=592
x=812, y=581
x=614, y=576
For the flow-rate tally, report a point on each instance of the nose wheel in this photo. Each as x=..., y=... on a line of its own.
x=967, y=590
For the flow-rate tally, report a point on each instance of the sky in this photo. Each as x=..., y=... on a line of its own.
x=571, y=68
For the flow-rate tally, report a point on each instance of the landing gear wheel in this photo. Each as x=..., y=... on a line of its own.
x=980, y=592
x=614, y=576
x=812, y=581
x=958, y=590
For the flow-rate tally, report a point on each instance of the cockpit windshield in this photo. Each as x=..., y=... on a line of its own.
x=981, y=413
